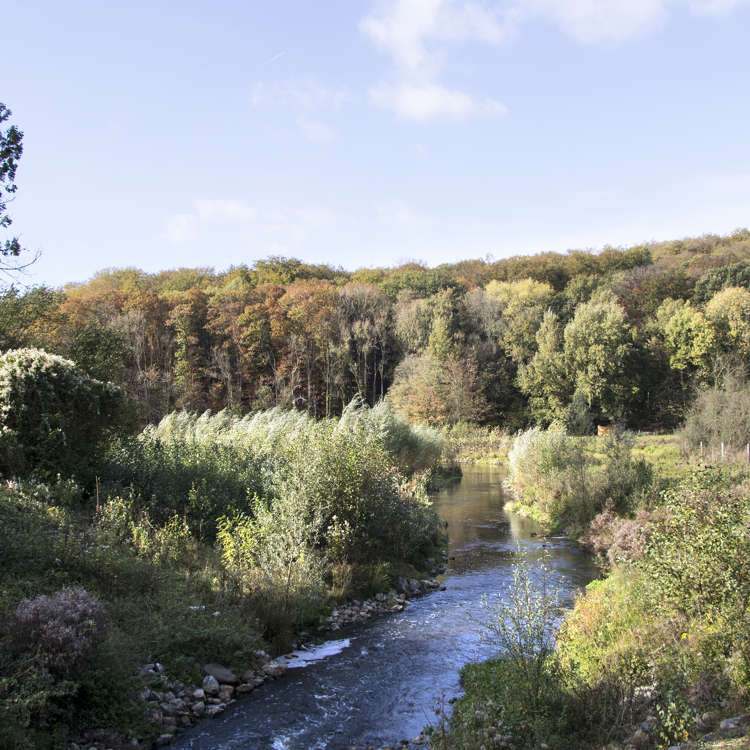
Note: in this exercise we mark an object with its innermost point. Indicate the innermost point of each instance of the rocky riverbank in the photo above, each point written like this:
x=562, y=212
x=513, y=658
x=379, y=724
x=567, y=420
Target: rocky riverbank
x=173, y=706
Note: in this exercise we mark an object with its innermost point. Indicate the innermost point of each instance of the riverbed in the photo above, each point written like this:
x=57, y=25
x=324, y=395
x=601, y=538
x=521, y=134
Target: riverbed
x=381, y=682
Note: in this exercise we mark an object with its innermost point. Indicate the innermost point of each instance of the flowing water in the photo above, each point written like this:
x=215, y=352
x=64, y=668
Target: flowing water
x=379, y=683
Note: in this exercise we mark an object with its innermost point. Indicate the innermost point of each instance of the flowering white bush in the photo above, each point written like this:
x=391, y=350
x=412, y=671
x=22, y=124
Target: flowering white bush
x=59, y=629
x=52, y=415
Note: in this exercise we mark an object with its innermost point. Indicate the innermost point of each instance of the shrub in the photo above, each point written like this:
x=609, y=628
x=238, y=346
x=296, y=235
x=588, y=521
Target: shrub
x=53, y=417
x=60, y=630
x=561, y=481
x=521, y=623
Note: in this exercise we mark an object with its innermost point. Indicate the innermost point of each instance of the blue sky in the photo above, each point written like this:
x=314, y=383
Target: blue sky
x=360, y=133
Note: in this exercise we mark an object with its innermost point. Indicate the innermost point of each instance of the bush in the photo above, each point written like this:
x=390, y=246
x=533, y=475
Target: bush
x=564, y=481
x=59, y=630
x=53, y=417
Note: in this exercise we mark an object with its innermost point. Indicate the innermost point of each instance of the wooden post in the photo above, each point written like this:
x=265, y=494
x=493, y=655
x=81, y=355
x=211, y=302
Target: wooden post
x=701, y=449
x=722, y=451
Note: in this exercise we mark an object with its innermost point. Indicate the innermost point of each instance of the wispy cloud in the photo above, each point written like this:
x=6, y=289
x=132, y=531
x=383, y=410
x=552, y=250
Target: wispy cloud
x=399, y=213
x=216, y=215
x=417, y=34
x=185, y=227
x=303, y=97
x=181, y=228
x=315, y=130
x=208, y=210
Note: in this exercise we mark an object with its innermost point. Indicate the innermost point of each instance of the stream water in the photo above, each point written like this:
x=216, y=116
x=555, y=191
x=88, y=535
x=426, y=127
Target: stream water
x=380, y=682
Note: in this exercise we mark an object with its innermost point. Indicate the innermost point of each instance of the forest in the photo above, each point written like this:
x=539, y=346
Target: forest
x=638, y=334
x=260, y=443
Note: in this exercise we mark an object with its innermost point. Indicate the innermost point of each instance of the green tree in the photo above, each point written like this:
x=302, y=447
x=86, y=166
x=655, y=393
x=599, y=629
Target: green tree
x=522, y=307
x=545, y=379
x=11, y=148
x=599, y=354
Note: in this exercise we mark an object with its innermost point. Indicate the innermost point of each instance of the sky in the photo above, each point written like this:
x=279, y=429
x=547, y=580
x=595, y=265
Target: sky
x=167, y=134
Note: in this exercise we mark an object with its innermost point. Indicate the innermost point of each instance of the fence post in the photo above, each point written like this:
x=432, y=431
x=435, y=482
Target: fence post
x=722, y=451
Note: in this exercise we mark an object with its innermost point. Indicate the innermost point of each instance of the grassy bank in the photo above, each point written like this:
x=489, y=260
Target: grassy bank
x=203, y=539
x=656, y=653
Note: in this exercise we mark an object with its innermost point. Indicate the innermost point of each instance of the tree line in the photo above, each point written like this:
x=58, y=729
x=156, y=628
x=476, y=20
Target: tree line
x=625, y=333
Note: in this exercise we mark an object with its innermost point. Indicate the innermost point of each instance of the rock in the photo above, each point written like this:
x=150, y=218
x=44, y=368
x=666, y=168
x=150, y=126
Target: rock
x=199, y=708
x=275, y=670
x=225, y=696
x=248, y=676
x=735, y=722
x=144, y=695
x=164, y=739
x=402, y=584
x=198, y=694
x=222, y=674
x=214, y=710
x=247, y=688
x=414, y=584
x=640, y=740
x=211, y=685
x=441, y=587
x=416, y=740
x=380, y=597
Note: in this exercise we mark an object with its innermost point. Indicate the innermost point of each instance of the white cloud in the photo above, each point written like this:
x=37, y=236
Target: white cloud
x=598, y=20
x=715, y=7
x=208, y=210
x=415, y=34
x=403, y=28
x=426, y=101
x=302, y=96
x=315, y=130
x=181, y=228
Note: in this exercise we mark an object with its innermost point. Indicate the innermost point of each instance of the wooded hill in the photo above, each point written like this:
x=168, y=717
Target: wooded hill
x=630, y=333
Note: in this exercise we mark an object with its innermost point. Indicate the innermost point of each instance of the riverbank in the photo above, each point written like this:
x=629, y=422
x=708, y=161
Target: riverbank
x=653, y=655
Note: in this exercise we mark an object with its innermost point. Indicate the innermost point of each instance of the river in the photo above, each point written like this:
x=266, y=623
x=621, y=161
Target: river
x=383, y=679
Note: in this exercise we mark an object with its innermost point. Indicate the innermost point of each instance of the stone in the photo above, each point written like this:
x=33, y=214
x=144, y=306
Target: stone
x=403, y=584
x=144, y=695
x=735, y=722
x=199, y=708
x=224, y=696
x=246, y=688
x=416, y=740
x=414, y=584
x=211, y=685
x=164, y=739
x=198, y=694
x=214, y=710
x=275, y=670
x=640, y=740
x=248, y=676
x=222, y=674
